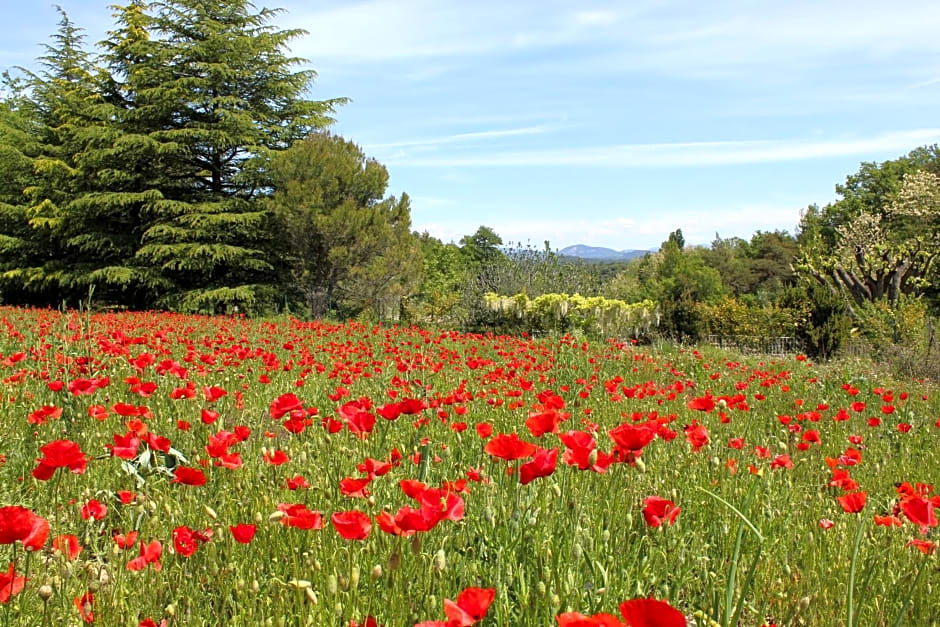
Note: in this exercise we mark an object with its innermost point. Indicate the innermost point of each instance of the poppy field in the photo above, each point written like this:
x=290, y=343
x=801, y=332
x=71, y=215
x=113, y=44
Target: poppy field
x=161, y=469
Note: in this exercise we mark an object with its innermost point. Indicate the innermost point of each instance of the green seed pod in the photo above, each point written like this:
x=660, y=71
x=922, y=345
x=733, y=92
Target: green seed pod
x=540, y=588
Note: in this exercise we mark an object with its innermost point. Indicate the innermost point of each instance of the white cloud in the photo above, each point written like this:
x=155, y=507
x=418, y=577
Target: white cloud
x=684, y=153
x=462, y=137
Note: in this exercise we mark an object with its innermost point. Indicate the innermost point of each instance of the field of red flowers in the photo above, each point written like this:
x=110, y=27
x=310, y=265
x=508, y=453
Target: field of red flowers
x=160, y=469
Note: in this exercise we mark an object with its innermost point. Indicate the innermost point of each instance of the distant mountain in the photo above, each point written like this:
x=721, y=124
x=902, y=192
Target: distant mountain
x=599, y=253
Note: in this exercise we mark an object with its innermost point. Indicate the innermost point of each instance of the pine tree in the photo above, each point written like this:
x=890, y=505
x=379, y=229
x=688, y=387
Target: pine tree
x=216, y=93
x=40, y=138
x=346, y=246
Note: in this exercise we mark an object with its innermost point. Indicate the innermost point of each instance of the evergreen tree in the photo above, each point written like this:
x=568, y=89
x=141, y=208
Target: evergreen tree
x=212, y=95
x=344, y=243
x=41, y=139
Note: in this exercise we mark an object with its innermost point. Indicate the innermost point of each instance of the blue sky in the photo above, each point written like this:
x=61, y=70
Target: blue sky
x=605, y=123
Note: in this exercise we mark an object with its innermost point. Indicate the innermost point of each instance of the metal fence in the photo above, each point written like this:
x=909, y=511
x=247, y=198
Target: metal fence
x=784, y=345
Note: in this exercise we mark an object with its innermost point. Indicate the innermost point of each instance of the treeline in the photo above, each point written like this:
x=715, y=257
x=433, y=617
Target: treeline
x=179, y=165
x=862, y=271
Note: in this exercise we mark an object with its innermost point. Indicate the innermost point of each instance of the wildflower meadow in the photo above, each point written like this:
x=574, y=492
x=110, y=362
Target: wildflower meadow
x=167, y=469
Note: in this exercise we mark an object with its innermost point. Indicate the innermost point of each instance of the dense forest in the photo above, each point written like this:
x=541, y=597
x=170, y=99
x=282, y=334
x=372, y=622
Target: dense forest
x=179, y=165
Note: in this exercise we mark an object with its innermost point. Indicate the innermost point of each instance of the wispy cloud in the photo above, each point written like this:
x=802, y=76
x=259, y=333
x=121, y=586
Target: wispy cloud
x=463, y=137
x=686, y=153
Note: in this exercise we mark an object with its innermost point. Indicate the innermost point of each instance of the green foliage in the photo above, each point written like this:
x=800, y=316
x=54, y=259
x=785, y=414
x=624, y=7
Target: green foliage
x=823, y=322
x=882, y=238
x=736, y=317
x=439, y=298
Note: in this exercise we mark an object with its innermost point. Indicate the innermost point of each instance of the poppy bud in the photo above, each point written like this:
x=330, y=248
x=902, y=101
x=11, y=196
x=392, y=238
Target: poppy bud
x=258, y=518
x=540, y=588
x=376, y=572
x=331, y=585
x=211, y=513
x=556, y=490
x=556, y=601
x=299, y=584
x=276, y=516
x=576, y=552
x=344, y=582
x=394, y=561
x=804, y=603
x=416, y=544
x=45, y=592
x=439, y=563
x=354, y=577
x=170, y=610
x=605, y=536
x=640, y=464
x=255, y=586
x=311, y=596
x=592, y=457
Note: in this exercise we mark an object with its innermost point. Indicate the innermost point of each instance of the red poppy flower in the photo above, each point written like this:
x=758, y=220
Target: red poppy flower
x=125, y=541
x=581, y=451
x=703, y=403
x=189, y=476
x=632, y=438
x=296, y=482
x=243, y=533
x=207, y=416
x=19, y=523
x=67, y=545
x=44, y=414
x=471, y=606
x=149, y=554
x=576, y=619
x=888, y=521
x=697, y=435
x=924, y=546
x=10, y=584
x=125, y=446
x=352, y=525
x=85, y=605
x=94, y=509
x=651, y=613
x=853, y=502
x=544, y=422
x=212, y=393
x=919, y=511
x=355, y=488
x=298, y=516
x=658, y=510
x=484, y=430
x=284, y=404
x=509, y=447
x=59, y=454
x=542, y=465
x=825, y=523
x=186, y=540
x=276, y=458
